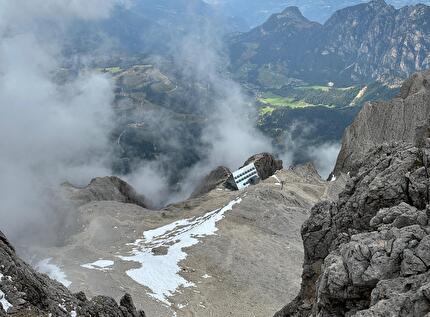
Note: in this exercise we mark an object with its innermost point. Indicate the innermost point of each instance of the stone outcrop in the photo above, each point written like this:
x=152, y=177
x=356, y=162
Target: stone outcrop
x=105, y=189
x=368, y=253
x=265, y=163
x=400, y=120
x=307, y=171
x=24, y=292
x=217, y=177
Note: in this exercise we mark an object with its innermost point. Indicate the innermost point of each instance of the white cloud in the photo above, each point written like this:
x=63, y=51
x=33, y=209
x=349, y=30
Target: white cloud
x=49, y=132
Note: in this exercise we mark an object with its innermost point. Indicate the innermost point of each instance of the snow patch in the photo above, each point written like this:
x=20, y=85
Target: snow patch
x=100, y=265
x=4, y=302
x=9, y=278
x=62, y=306
x=277, y=179
x=160, y=273
x=206, y=276
x=333, y=178
x=53, y=271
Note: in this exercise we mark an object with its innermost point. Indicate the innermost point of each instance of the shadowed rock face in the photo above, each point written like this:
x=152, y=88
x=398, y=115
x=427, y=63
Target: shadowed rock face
x=368, y=253
x=32, y=294
x=398, y=120
x=217, y=177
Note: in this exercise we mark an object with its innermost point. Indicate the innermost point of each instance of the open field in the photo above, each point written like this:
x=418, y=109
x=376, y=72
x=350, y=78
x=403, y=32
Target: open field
x=271, y=102
x=325, y=88
x=112, y=70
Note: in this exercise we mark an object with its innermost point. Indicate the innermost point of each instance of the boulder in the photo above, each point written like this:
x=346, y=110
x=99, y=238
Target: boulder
x=265, y=163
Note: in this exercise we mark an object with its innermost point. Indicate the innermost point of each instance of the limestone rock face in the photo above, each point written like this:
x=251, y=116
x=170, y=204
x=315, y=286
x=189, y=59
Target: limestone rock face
x=265, y=163
x=25, y=292
x=368, y=253
x=105, y=189
x=398, y=120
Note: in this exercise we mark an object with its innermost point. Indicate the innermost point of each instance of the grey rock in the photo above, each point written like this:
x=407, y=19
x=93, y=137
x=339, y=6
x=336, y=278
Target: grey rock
x=404, y=119
x=400, y=216
x=105, y=189
x=35, y=294
x=217, y=177
x=307, y=171
x=376, y=236
x=265, y=163
x=423, y=250
x=404, y=296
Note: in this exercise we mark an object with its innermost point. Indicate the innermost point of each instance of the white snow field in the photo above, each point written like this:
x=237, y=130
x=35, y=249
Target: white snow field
x=160, y=272
x=100, y=265
x=53, y=271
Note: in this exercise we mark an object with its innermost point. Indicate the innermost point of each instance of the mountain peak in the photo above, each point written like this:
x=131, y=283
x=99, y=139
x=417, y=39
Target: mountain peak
x=292, y=13
x=378, y=3
x=292, y=10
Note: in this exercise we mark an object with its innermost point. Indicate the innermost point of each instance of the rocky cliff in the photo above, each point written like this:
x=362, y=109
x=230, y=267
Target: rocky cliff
x=362, y=43
x=367, y=254
x=24, y=292
x=380, y=122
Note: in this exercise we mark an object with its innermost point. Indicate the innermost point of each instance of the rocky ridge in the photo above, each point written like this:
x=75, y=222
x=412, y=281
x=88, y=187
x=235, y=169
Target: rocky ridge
x=24, y=292
x=104, y=188
x=362, y=43
x=366, y=254
x=398, y=120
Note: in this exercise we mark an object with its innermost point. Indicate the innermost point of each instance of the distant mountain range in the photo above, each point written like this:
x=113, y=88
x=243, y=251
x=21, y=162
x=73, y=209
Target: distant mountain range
x=147, y=26
x=362, y=43
x=255, y=12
